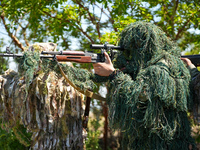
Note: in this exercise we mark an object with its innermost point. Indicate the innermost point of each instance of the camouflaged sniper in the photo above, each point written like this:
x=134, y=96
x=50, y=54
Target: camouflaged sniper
x=195, y=75
x=149, y=99
x=42, y=101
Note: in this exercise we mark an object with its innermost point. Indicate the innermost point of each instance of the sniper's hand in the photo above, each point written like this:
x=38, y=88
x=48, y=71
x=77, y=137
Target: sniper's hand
x=105, y=68
x=186, y=61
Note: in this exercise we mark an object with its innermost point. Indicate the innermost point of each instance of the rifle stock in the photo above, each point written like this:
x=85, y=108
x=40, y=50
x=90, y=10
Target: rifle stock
x=77, y=59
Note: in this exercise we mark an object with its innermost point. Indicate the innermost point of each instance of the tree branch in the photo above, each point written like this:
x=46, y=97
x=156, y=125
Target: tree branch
x=69, y=22
x=14, y=38
x=173, y=14
x=24, y=33
x=91, y=18
x=110, y=19
x=180, y=30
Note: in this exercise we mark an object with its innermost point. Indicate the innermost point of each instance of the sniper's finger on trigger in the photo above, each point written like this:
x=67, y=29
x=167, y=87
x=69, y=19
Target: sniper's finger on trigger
x=95, y=64
x=107, y=57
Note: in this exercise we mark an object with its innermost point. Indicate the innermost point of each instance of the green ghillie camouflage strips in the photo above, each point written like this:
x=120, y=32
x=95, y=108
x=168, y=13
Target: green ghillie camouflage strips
x=39, y=98
x=150, y=98
x=196, y=93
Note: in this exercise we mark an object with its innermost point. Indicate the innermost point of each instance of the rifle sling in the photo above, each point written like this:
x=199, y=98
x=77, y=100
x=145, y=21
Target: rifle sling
x=85, y=92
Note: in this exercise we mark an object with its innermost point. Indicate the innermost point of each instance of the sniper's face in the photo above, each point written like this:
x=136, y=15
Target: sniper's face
x=134, y=51
x=127, y=54
x=134, y=40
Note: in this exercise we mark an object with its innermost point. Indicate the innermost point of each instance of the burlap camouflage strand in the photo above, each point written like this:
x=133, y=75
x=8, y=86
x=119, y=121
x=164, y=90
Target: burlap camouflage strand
x=43, y=103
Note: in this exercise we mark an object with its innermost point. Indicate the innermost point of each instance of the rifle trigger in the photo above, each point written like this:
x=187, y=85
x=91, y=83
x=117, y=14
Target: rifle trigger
x=54, y=58
x=103, y=56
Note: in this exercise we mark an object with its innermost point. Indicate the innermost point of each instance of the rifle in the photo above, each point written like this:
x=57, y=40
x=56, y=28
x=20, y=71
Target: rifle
x=195, y=59
x=88, y=57
x=74, y=56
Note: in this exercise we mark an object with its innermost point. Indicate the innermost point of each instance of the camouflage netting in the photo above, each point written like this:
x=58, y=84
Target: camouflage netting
x=150, y=97
x=39, y=98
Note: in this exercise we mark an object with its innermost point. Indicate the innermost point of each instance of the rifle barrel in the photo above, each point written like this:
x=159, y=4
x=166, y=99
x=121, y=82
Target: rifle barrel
x=67, y=52
x=21, y=55
x=10, y=55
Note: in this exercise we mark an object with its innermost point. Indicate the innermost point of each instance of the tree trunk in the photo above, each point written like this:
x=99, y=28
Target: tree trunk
x=105, y=134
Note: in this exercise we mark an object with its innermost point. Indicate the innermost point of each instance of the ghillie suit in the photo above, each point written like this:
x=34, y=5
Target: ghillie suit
x=39, y=98
x=149, y=98
x=195, y=75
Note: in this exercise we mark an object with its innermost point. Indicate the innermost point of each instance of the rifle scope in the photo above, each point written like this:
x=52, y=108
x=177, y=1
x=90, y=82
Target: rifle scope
x=105, y=46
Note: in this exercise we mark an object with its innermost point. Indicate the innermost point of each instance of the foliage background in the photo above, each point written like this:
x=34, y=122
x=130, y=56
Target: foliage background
x=75, y=24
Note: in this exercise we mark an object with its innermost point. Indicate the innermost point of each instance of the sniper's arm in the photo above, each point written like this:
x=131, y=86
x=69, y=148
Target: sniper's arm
x=193, y=70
